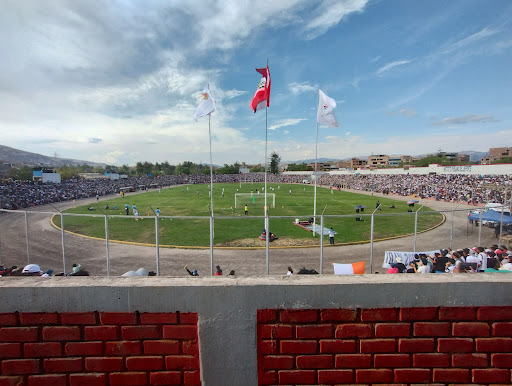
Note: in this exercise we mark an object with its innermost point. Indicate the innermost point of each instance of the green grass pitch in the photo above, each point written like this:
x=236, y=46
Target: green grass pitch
x=244, y=230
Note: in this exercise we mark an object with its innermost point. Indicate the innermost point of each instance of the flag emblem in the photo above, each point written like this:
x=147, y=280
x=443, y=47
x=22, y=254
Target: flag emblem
x=206, y=104
x=262, y=93
x=325, y=112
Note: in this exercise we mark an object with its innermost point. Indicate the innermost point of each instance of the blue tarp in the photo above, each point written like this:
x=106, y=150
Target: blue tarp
x=491, y=215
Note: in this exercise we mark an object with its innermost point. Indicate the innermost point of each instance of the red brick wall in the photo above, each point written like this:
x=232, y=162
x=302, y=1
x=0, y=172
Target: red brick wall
x=435, y=345
x=99, y=348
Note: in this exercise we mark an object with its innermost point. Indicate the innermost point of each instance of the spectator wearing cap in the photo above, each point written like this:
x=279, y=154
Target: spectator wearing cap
x=191, y=273
x=399, y=265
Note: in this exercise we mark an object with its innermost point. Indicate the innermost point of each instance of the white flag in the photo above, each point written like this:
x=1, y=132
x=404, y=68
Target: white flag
x=325, y=113
x=207, y=104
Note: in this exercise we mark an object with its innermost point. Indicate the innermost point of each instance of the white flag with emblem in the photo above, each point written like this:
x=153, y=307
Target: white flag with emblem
x=207, y=104
x=325, y=113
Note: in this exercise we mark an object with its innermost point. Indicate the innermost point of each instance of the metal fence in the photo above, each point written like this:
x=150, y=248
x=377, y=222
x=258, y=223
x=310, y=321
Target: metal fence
x=372, y=223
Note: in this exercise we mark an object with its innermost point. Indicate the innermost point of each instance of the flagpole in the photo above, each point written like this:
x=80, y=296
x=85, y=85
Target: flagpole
x=267, y=231
x=314, y=176
x=211, y=193
x=314, y=173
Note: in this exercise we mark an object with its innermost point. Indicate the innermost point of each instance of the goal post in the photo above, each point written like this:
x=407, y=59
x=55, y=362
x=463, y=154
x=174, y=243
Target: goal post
x=247, y=198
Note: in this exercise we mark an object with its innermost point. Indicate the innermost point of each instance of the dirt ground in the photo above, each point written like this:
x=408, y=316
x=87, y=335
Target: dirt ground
x=46, y=248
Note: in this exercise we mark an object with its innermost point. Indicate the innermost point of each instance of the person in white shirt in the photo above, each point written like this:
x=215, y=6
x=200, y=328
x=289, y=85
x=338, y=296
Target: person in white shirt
x=422, y=266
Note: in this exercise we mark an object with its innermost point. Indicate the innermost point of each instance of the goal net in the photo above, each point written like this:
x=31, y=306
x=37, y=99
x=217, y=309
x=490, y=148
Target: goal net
x=251, y=198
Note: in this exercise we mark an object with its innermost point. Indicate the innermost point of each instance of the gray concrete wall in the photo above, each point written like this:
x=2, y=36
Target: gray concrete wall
x=227, y=306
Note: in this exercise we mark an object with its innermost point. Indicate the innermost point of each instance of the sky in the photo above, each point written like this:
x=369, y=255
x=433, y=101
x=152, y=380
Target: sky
x=118, y=81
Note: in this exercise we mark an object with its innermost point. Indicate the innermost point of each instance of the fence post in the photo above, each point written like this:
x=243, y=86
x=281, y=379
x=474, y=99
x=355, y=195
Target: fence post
x=211, y=245
x=267, y=241
x=416, y=226
x=415, y=229
x=371, y=244
x=26, y=234
x=480, y=228
x=321, y=244
x=157, y=242
x=451, y=231
x=371, y=238
x=107, y=251
x=63, y=243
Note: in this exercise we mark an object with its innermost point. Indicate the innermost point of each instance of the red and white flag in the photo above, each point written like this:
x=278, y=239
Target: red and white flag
x=262, y=93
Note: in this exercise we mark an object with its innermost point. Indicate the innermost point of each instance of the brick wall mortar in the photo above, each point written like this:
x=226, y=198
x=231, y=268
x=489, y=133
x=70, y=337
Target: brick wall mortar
x=108, y=348
x=428, y=345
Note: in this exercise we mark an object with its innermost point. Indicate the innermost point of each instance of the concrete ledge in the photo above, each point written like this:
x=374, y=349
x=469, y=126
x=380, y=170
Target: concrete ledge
x=227, y=307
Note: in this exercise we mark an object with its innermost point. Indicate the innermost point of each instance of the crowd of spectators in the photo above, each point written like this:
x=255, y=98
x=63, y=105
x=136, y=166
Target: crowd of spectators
x=496, y=259
x=23, y=194
x=471, y=189
x=453, y=187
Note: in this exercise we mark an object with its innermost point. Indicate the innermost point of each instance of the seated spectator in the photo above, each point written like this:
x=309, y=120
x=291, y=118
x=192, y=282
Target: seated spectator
x=31, y=270
x=399, y=265
x=493, y=266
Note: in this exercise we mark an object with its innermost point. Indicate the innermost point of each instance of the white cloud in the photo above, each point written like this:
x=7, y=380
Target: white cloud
x=329, y=13
x=299, y=88
x=286, y=122
x=406, y=112
x=230, y=94
x=391, y=65
x=470, y=118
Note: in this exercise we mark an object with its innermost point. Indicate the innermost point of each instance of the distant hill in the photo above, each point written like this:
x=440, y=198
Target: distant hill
x=15, y=156
x=475, y=155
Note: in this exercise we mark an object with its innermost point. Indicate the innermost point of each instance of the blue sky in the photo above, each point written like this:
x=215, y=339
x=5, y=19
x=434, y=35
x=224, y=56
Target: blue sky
x=119, y=81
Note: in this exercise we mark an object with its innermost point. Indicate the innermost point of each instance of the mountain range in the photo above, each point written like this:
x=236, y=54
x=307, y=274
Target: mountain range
x=14, y=156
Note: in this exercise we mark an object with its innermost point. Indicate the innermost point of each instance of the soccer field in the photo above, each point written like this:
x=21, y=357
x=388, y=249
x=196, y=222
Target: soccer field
x=240, y=230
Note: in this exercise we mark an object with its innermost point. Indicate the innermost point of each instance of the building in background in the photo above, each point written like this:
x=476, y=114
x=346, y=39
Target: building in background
x=495, y=154
x=356, y=163
x=378, y=160
x=46, y=175
x=463, y=158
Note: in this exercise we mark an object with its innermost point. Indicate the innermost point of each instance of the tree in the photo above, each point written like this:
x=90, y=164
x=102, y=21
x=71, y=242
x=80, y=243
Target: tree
x=98, y=169
x=299, y=167
x=506, y=160
x=229, y=169
x=124, y=169
x=257, y=169
x=274, y=163
x=24, y=173
x=67, y=172
x=434, y=159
